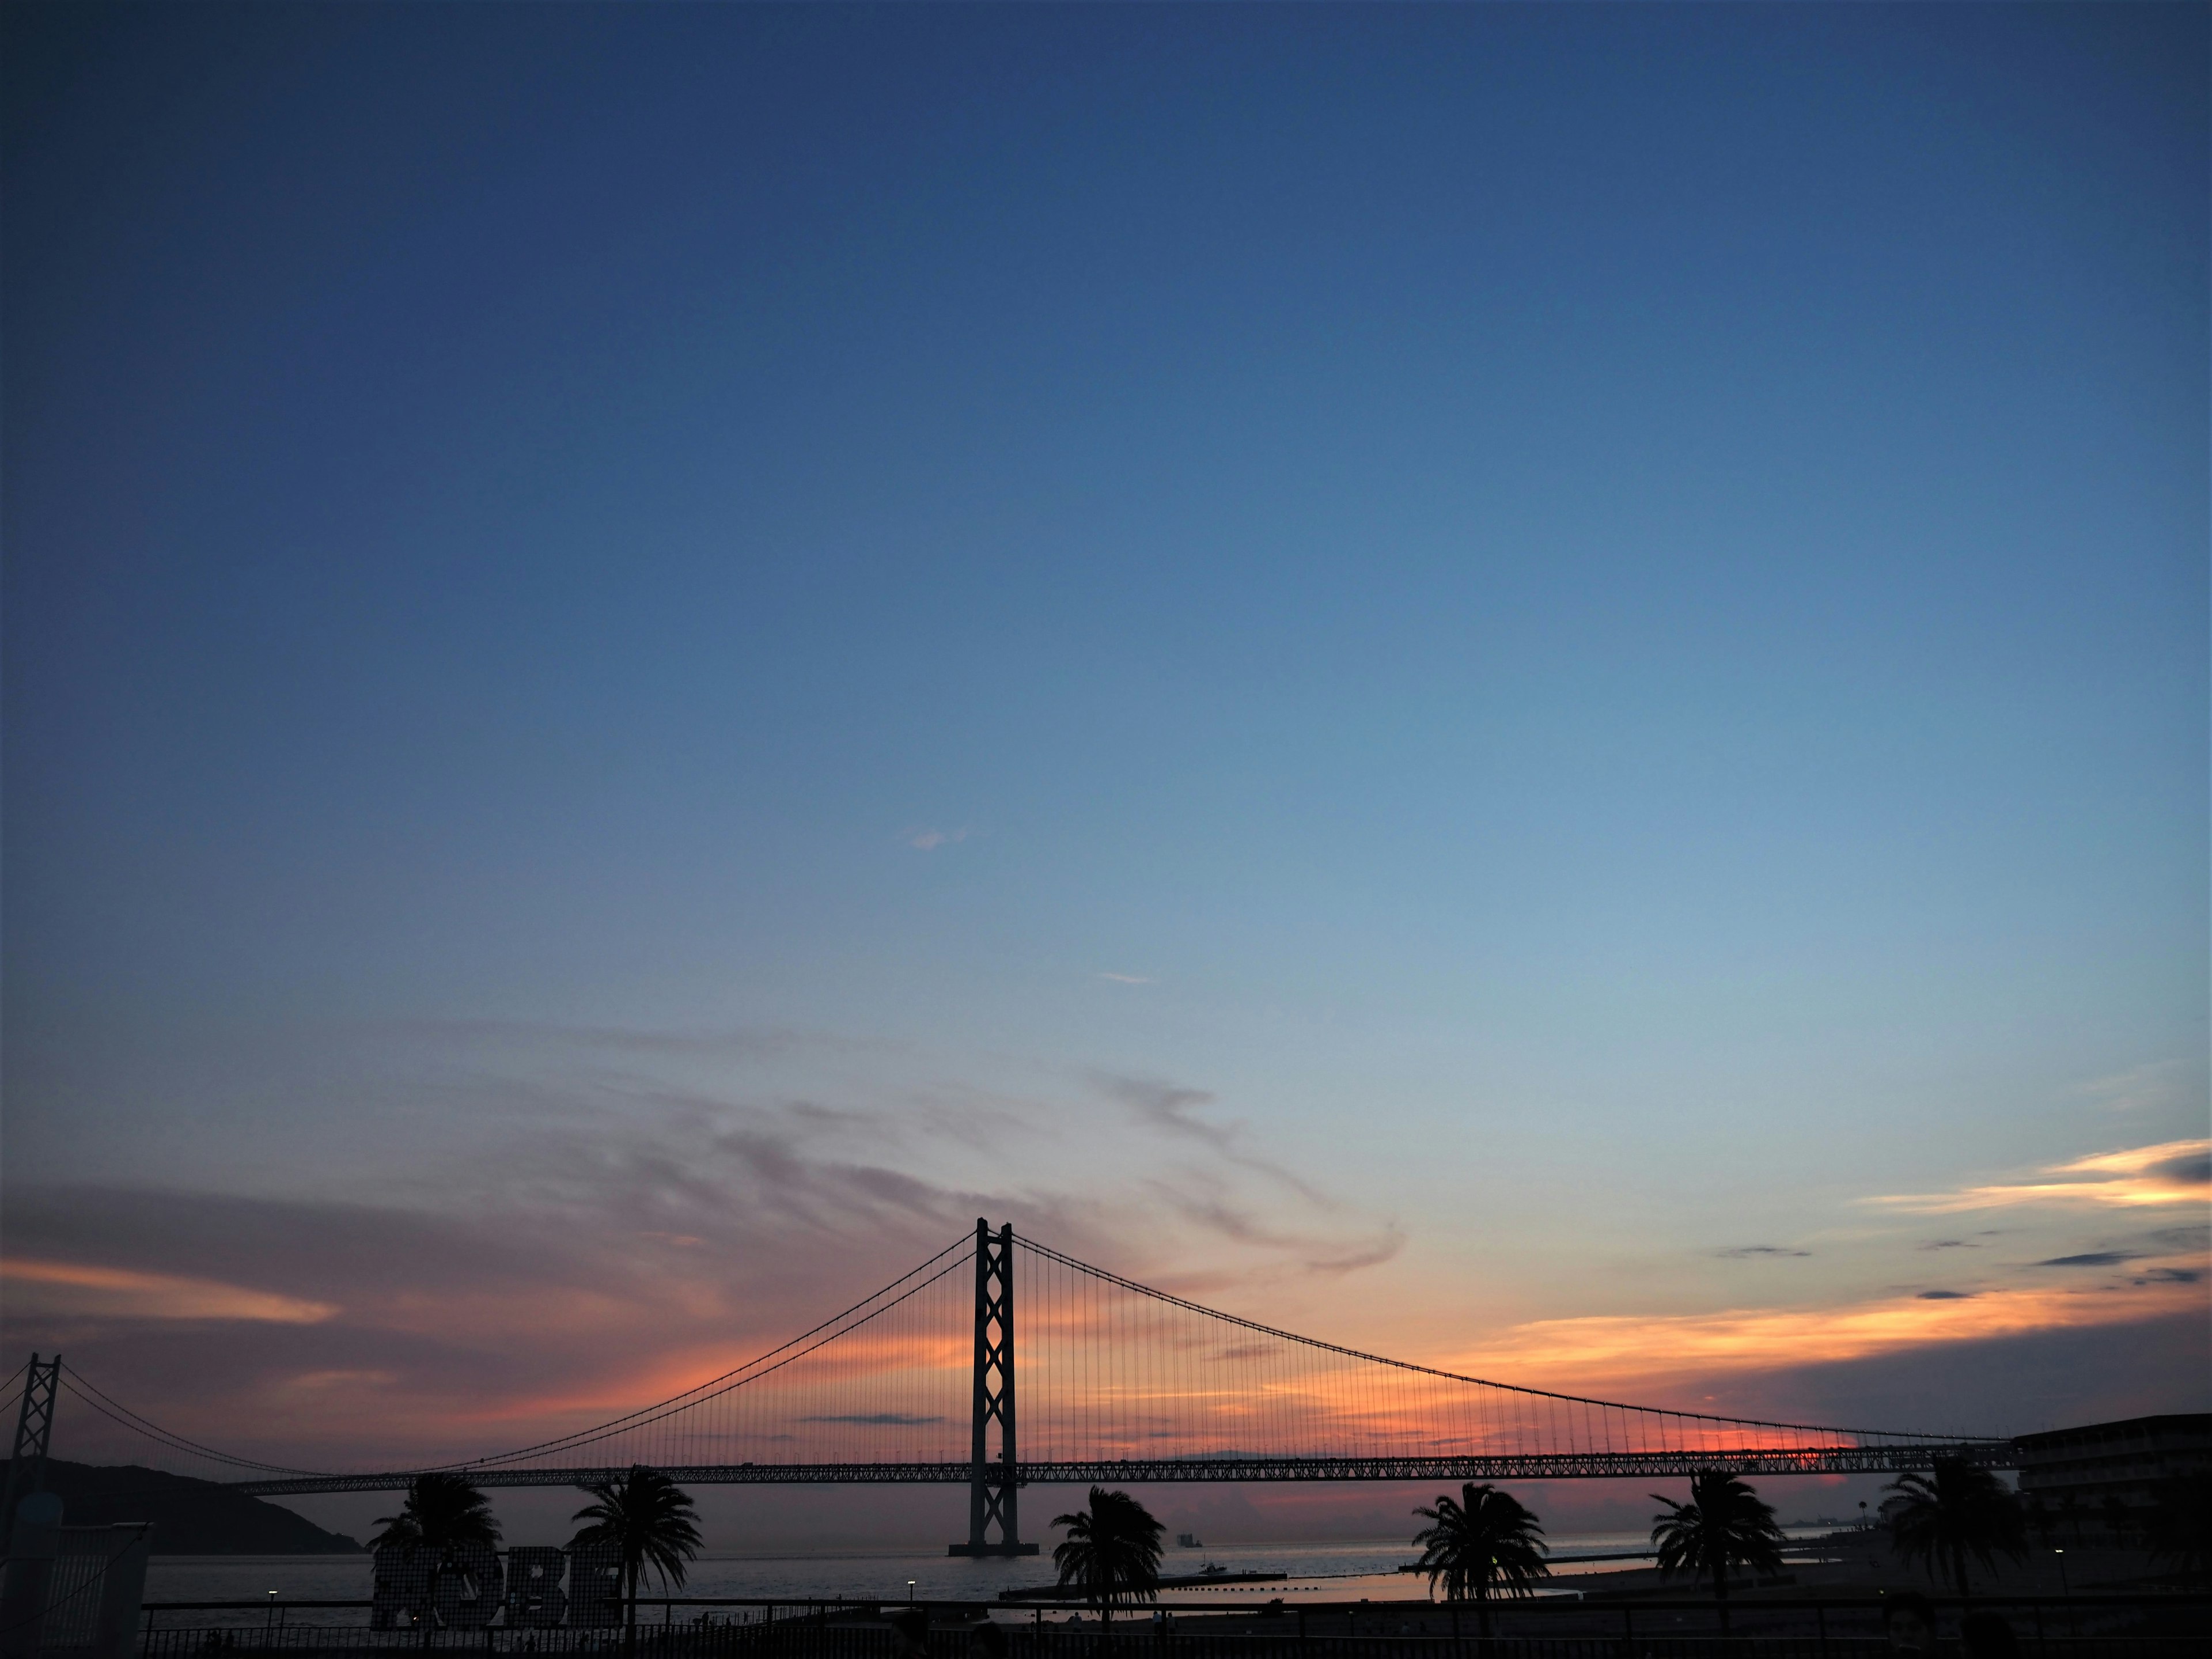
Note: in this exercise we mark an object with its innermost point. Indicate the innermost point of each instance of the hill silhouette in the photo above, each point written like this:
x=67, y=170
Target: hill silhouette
x=190, y=1518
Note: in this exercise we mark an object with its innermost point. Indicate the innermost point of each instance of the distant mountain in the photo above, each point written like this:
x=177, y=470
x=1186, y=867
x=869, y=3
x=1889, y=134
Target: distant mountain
x=190, y=1518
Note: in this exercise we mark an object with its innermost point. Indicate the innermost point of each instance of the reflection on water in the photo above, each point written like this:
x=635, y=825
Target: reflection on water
x=1341, y=1571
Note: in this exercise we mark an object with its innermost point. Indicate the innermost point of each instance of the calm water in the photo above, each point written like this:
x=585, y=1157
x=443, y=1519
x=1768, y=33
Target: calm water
x=1319, y=1572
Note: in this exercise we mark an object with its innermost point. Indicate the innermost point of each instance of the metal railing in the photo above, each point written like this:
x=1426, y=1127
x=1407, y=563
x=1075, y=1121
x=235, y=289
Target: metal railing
x=2075, y=1627
x=799, y=1640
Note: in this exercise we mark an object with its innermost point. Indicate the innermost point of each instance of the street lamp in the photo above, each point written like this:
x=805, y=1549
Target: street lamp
x=910, y=1592
x=2064, y=1588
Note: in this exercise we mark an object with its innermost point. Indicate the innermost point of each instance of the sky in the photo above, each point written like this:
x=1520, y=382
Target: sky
x=1523, y=687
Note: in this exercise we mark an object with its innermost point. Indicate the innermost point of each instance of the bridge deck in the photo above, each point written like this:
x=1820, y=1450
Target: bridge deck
x=1560, y=1466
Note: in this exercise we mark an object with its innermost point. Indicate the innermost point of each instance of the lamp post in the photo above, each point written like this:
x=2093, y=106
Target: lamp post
x=2063, y=1589
x=910, y=1592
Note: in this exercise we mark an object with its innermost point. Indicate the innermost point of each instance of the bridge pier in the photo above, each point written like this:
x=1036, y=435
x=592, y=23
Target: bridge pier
x=34, y=1429
x=994, y=1484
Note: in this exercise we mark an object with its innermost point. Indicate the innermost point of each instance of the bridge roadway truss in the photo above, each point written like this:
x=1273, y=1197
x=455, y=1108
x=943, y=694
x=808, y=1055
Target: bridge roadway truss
x=1828, y=1460
x=1129, y=1350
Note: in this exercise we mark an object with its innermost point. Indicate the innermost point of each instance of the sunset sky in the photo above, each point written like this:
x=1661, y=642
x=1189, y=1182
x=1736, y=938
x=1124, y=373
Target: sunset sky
x=1524, y=688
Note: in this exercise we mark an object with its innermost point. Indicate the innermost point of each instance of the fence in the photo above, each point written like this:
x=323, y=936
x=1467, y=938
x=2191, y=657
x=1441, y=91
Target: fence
x=73, y=1589
x=2082, y=1627
x=856, y=1642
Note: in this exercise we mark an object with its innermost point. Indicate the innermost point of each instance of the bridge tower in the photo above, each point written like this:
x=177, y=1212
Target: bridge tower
x=992, y=1481
x=34, y=1429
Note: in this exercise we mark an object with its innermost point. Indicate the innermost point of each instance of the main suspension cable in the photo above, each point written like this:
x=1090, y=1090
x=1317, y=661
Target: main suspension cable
x=118, y=1413
x=715, y=1387
x=1111, y=1278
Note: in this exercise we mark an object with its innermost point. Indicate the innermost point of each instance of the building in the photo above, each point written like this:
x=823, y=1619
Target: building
x=2072, y=1476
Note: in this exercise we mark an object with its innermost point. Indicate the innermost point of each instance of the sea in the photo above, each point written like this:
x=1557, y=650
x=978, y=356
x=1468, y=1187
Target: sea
x=1344, y=1570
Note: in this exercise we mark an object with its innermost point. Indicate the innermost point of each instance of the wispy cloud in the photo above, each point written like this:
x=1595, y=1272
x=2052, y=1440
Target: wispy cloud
x=2170, y=1172
x=925, y=839
x=1741, y=1252
x=877, y=1419
x=83, y=1290
x=1595, y=1351
x=637, y=1235
x=1128, y=978
x=1172, y=1108
x=2143, y=1088
x=1316, y=1253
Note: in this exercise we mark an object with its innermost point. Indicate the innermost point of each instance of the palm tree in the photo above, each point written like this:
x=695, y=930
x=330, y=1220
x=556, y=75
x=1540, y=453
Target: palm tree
x=1954, y=1512
x=442, y=1511
x=2179, y=1526
x=1484, y=1543
x=1112, y=1551
x=1723, y=1525
x=648, y=1519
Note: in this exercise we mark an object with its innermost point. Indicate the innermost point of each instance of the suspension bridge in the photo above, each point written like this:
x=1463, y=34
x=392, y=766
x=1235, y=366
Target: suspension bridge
x=1116, y=1382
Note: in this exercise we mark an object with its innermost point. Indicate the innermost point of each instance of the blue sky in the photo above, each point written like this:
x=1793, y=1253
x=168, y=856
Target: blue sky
x=1519, y=646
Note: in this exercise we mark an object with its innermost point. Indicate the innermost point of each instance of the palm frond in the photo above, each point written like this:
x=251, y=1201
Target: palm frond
x=440, y=1510
x=1486, y=1544
x=1954, y=1511
x=648, y=1519
x=1112, y=1550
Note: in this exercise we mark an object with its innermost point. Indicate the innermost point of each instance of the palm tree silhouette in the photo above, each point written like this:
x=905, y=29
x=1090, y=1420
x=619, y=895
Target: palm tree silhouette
x=1954, y=1511
x=1112, y=1551
x=1487, y=1542
x=1723, y=1525
x=441, y=1511
x=648, y=1518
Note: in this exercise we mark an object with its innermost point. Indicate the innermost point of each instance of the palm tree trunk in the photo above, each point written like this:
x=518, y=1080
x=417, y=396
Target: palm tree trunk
x=1720, y=1590
x=430, y=1609
x=629, y=1632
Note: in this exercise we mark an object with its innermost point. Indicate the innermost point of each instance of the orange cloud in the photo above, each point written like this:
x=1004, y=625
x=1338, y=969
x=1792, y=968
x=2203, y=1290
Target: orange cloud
x=320, y=1380
x=1580, y=1351
x=2172, y=1172
x=73, y=1289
